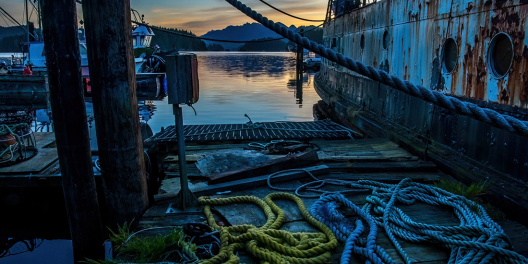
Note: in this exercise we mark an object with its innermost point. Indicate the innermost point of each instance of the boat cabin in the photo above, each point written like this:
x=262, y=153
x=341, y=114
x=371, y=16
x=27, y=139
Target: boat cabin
x=141, y=37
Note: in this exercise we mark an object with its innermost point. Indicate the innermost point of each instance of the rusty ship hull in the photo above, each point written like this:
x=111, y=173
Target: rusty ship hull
x=474, y=50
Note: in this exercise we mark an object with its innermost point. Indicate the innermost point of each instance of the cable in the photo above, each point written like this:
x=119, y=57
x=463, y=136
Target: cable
x=4, y=18
x=218, y=40
x=290, y=15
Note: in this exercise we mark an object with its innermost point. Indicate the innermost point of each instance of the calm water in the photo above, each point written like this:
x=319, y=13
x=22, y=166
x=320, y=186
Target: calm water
x=261, y=85
x=232, y=84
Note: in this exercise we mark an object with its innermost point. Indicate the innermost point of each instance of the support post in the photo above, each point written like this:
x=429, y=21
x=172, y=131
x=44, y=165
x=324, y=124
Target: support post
x=111, y=63
x=185, y=198
x=71, y=129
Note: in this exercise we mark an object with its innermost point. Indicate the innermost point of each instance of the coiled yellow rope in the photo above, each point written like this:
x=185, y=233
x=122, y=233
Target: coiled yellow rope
x=267, y=243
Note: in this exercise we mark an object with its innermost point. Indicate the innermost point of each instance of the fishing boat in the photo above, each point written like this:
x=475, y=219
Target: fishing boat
x=476, y=51
x=149, y=63
x=35, y=56
x=293, y=48
x=312, y=63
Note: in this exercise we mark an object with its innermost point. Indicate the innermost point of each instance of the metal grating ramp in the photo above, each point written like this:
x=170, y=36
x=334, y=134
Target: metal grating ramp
x=325, y=129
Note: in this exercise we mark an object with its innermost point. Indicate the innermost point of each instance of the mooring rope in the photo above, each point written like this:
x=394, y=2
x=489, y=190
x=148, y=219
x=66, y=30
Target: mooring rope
x=268, y=243
x=478, y=239
x=486, y=115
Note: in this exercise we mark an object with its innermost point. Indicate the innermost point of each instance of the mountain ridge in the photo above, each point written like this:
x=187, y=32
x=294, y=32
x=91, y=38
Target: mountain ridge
x=247, y=31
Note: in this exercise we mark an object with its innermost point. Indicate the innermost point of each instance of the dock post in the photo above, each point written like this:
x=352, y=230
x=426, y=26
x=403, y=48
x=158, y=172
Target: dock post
x=71, y=129
x=299, y=58
x=112, y=74
x=299, y=71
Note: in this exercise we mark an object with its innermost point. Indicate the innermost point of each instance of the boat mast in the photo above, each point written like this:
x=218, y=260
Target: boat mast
x=39, y=17
x=27, y=27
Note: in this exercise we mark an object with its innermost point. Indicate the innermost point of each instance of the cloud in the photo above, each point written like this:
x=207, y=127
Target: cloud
x=201, y=16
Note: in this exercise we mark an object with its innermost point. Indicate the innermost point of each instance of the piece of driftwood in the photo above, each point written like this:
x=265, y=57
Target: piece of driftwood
x=288, y=162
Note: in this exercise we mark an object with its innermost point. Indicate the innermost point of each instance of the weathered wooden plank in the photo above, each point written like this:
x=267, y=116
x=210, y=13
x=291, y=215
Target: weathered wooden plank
x=384, y=166
x=44, y=157
x=387, y=177
x=44, y=138
x=193, y=156
x=275, y=165
x=393, y=155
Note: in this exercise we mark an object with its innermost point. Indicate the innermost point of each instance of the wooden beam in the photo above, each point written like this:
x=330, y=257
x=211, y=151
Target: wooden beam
x=71, y=130
x=383, y=166
x=288, y=162
x=109, y=42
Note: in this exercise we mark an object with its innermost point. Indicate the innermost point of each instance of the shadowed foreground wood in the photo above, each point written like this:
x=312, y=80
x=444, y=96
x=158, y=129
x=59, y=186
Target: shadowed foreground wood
x=71, y=130
x=386, y=167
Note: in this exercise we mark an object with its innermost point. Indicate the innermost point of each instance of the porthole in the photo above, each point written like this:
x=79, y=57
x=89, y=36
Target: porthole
x=500, y=55
x=362, y=43
x=449, y=55
x=386, y=40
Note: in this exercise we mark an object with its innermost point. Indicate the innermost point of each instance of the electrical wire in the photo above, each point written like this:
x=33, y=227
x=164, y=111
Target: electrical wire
x=217, y=40
x=4, y=18
x=290, y=15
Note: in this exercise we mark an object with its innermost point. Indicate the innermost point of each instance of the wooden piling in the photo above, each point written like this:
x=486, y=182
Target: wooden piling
x=71, y=130
x=112, y=74
x=299, y=71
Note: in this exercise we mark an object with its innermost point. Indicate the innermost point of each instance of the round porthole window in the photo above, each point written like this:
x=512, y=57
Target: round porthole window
x=362, y=43
x=386, y=40
x=500, y=55
x=449, y=55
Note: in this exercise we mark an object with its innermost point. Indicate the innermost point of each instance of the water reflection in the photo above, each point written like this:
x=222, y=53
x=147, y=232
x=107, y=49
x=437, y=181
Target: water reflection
x=263, y=85
x=236, y=83
x=37, y=251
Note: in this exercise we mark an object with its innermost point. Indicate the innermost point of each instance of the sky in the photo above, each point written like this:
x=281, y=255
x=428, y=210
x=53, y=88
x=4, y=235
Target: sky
x=201, y=16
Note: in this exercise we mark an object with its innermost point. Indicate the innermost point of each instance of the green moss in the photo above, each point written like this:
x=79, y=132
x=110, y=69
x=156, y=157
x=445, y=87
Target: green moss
x=471, y=192
x=474, y=193
x=121, y=236
x=153, y=249
x=147, y=249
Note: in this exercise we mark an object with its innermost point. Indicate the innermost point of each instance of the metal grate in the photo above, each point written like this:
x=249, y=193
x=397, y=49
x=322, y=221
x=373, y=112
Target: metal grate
x=325, y=129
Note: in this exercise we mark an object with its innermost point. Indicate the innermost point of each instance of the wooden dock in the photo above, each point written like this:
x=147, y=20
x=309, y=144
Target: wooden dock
x=372, y=159
x=43, y=170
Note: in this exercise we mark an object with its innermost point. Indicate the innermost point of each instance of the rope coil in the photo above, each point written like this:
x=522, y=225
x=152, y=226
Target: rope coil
x=486, y=115
x=478, y=239
x=268, y=243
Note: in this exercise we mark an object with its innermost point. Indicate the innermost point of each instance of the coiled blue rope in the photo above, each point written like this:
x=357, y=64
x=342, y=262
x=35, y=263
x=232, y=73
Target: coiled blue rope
x=477, y=239
x=326, y=211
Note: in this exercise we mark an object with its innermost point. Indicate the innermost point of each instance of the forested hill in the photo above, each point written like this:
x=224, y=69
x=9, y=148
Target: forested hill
x=255, y=31
x=247, y=31
x=275, y=45
x=11, y=38
x=168, y=41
